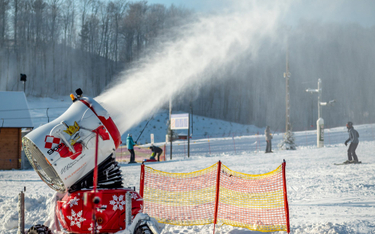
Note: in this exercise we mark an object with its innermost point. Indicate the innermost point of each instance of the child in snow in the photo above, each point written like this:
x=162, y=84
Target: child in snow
x=353, y=139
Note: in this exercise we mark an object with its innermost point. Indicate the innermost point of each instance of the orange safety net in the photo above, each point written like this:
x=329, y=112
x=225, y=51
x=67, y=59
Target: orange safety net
x=217, y=195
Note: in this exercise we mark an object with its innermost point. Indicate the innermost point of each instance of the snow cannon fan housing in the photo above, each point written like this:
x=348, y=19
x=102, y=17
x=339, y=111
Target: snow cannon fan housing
x=62, y=152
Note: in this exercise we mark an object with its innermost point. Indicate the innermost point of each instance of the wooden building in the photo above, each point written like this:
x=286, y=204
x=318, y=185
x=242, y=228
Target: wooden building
x=14, y=116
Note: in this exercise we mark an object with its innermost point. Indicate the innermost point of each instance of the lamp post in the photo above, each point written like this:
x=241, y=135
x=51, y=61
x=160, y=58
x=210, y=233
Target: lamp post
x=23, y=78
x=320, y=121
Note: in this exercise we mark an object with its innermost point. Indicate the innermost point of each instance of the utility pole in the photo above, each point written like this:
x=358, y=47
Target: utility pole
x=288, y=140
x=287, y=98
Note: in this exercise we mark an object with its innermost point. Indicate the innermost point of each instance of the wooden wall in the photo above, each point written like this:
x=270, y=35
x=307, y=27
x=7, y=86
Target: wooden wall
x=10, y=148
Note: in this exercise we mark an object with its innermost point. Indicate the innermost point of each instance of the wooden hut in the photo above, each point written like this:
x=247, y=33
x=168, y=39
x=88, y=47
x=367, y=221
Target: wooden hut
x=14, y=116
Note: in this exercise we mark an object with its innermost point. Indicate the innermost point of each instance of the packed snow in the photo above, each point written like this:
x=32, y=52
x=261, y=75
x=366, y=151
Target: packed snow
x=323, y=197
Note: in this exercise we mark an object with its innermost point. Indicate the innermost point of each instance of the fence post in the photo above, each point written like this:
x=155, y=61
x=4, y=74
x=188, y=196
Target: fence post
x=184, y=150
x=165, y=148
x=209, y=147
x=128, y=209
x=217, y=193
x=21, y=213
x=142, y=182
x=286, y=206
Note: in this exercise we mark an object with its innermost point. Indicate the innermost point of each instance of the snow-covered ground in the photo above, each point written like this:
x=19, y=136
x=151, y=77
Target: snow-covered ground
x=323, y=197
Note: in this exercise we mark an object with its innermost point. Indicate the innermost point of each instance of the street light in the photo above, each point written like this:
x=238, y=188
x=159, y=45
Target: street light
x=23, y=79
x=320, y=121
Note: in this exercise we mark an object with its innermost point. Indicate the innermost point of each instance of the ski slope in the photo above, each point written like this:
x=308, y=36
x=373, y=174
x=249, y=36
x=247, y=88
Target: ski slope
x=323, y=198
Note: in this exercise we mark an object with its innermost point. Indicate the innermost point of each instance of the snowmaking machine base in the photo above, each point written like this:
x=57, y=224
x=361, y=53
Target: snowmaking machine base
x=75, y=210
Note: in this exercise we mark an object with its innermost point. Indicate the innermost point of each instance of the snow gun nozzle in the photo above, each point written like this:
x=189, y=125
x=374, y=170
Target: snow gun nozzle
x=68, y=142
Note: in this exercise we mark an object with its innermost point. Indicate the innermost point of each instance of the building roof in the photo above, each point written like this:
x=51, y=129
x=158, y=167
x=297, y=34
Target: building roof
x=14, y=110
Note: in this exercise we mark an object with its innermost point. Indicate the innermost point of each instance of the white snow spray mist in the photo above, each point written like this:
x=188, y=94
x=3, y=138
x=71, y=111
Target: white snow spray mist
x=203, y=47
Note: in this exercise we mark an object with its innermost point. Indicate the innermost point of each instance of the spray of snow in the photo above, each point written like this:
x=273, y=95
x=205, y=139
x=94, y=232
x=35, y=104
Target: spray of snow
x=203, y=47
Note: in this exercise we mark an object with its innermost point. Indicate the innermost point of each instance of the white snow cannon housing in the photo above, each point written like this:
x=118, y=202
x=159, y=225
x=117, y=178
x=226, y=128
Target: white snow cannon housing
x=62, y=152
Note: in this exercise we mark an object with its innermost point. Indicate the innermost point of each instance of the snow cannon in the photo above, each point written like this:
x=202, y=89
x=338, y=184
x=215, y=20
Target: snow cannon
x=62, y=152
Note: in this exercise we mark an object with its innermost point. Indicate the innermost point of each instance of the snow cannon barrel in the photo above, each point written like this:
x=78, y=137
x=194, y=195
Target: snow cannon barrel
x=62, y=152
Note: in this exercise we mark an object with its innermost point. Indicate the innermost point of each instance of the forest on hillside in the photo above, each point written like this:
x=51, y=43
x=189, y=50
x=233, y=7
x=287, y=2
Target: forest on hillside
x=64, y=44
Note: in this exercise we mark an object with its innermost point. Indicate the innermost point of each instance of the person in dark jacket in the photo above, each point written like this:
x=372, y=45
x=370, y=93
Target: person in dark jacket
x=155, y=151
x=268, y=135
x=353, y=139
x=130, y=144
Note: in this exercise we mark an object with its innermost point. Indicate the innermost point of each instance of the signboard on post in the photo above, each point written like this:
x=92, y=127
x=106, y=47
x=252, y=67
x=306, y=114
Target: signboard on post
x=180, y=121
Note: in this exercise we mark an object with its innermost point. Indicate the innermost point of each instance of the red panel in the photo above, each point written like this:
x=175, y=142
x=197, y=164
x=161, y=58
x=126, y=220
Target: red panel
x=75, y=215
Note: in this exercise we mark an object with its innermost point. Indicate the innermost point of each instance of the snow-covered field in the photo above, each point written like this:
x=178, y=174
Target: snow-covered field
x=323, y=197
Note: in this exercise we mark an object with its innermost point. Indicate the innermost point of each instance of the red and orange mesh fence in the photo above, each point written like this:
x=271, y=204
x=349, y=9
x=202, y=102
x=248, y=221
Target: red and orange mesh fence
x=217, y=195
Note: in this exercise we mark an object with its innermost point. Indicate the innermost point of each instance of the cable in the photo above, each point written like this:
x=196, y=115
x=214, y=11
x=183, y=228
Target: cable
x=144, y=128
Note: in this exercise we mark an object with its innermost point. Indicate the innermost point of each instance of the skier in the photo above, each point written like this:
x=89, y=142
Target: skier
x=130, y=143
x=155, y=150
x=353, y=139
x=268, y=135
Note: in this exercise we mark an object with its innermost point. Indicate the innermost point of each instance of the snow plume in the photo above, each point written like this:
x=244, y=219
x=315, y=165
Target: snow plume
x=199, y=50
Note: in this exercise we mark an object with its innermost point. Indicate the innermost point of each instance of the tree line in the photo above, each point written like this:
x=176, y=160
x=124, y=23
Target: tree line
x=64, y=44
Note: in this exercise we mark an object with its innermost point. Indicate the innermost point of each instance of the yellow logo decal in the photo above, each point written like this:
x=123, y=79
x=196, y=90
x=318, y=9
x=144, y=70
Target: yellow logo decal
x=72, y=129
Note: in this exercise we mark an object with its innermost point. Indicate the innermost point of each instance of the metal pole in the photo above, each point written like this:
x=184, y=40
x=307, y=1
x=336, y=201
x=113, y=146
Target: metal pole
x=170, y=130
x=95, y=181
x=319, y=97
x=192, y=117
x=287, y=75
x=188, y=136
x=21, y=211
x=128, y=209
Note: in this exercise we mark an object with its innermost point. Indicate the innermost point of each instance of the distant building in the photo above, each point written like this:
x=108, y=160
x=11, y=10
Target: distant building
x=14, y=116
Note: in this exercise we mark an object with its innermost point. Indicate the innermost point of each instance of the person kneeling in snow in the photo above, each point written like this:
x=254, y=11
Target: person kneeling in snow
x=353, y=139
x=155, y=150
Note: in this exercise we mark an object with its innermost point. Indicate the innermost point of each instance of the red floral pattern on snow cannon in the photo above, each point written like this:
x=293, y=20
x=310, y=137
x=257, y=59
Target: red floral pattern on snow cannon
x=75, y=216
